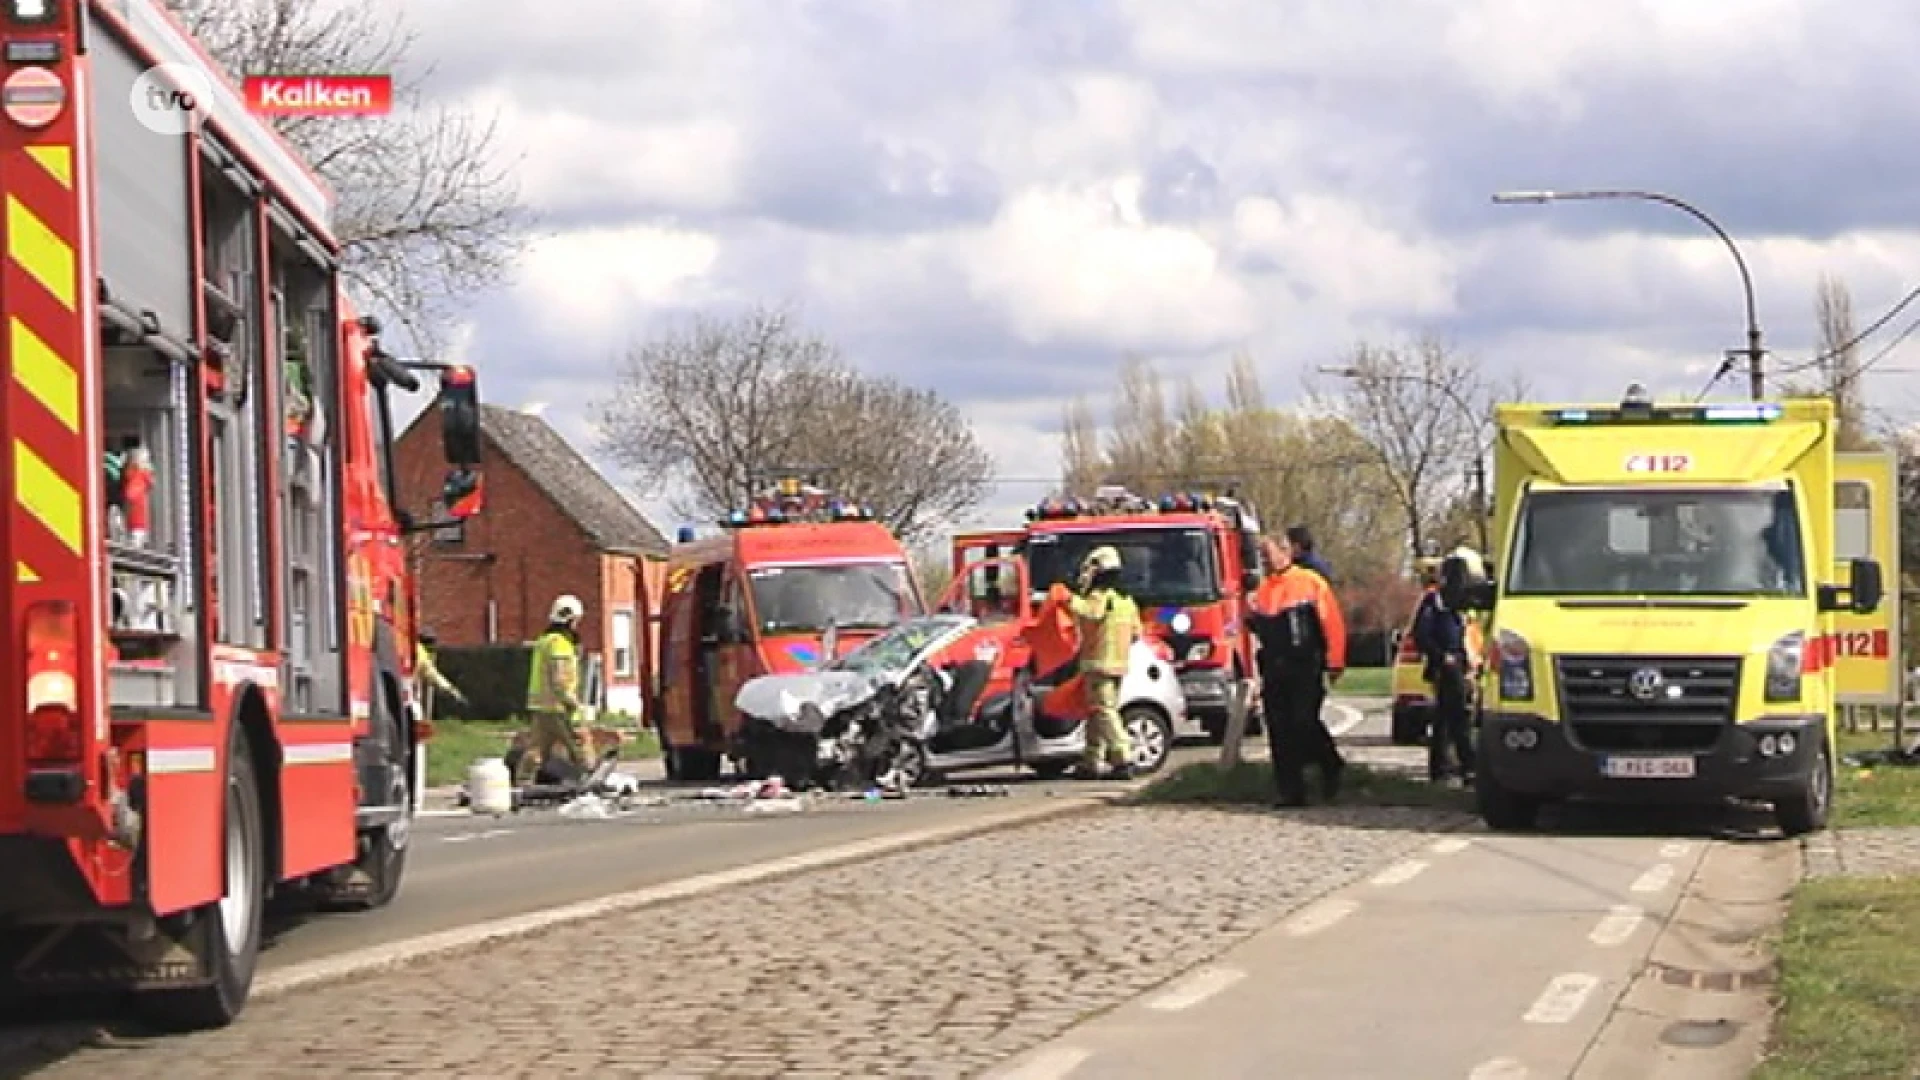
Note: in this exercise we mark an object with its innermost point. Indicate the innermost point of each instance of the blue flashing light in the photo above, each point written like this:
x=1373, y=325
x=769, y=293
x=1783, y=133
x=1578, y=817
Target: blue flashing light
x=1757, y=413
x=685, y=535
x=736, y=519
x=1572, y=416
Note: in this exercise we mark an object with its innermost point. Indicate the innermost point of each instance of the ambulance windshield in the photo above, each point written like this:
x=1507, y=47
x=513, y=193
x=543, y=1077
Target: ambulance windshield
x=852, y=596
x=1638, y=541
x=1157, y=566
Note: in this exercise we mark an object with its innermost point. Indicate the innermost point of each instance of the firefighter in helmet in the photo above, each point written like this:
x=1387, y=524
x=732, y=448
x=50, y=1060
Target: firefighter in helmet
x=553, y=692
x=1108, y=622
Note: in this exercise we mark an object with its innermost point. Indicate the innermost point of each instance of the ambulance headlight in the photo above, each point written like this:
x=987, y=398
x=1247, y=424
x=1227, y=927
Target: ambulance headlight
x=1785, y=662
x=1516, y=666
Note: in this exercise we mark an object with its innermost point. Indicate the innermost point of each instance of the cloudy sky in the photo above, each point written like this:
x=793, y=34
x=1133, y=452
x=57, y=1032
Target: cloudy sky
x=999, y=199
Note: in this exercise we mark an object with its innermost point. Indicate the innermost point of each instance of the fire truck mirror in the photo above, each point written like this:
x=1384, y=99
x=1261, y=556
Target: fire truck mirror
x=461, y=493
x=1250, y=581
x=460, y=418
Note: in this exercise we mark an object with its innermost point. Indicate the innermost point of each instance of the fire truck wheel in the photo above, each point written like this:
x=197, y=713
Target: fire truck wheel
x=226, y=933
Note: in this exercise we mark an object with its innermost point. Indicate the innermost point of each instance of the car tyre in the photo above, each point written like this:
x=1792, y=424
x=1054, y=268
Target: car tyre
x=1809, y=811
x=1502, y=808
x=1150, y=734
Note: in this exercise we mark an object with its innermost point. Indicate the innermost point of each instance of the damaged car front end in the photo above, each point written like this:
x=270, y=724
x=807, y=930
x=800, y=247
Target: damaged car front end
x=859, y=722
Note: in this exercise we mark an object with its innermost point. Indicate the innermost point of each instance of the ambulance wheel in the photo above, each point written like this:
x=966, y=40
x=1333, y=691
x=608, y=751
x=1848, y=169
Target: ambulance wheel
x=226, y=933
x=1808, y=811
x=1503, y=809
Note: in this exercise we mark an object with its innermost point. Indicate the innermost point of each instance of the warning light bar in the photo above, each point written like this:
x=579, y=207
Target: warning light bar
x=1760, y=413
x=1108, y=503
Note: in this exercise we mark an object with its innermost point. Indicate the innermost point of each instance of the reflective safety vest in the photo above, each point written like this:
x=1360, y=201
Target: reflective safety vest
x=1109, y=621
x=552, y=683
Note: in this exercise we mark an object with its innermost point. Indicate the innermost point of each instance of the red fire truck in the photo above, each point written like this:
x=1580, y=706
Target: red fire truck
x=1190, y=560
x=209, y=630
x=760, y=598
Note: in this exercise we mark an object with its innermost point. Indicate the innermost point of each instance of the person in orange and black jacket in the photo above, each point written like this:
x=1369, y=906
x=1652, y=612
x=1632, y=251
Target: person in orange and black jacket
x=1303, y=649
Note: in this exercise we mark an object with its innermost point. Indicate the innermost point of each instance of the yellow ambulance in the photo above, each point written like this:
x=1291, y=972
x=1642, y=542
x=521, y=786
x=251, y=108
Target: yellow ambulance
x=1686, y=595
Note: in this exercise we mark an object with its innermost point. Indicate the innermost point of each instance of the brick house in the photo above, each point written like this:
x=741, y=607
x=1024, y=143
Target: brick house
x=552, y=524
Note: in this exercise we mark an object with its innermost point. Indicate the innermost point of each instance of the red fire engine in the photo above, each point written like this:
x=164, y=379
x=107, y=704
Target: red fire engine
x=208, y=625
x=760, y=598
x=1191, y=561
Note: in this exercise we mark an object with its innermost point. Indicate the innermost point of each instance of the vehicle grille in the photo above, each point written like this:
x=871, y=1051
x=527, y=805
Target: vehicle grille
x=1692, y=704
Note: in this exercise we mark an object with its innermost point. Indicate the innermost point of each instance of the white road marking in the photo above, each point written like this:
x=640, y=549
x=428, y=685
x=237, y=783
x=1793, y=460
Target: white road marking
x=1401, y=872
x=1450, y=845
x=1319, y=916
x=1048, y=1065
x=1657, y=877
x=1196, y=988
x=1676, y=850
x=1350, y=718
x=1562, y=999
x=1501, y=1068
x=462, y=812
x=1617, y=926
x=486, y=835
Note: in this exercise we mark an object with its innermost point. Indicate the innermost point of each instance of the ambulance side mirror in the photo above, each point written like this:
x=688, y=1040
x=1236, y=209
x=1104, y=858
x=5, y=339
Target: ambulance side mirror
x=1863, y=592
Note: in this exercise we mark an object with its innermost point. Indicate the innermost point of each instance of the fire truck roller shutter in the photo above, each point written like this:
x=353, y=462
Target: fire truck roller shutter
x=143, y=202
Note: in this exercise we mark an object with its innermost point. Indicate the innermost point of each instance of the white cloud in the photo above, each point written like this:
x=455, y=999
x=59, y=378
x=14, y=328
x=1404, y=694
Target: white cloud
x=999, y=200
x=588, y=284
x=1065, y=266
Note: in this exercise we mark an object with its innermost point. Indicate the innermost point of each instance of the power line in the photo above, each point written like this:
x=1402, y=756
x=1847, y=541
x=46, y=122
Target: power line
x=1245, y=472
x=1886, y=350
x=1841, y=349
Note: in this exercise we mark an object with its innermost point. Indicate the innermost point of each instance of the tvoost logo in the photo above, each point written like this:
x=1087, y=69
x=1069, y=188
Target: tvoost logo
x=165, y=96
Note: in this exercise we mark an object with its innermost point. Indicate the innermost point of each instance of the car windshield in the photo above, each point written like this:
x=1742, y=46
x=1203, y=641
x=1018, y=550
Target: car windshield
x=1633, y=542
x=895, y=649
x=1157, y=566
x=852, y=596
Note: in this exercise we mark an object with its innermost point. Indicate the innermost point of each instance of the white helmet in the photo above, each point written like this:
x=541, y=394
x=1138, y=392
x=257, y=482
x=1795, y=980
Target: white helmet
x=1470, y=561
x=567, y=609
x=1101, y=559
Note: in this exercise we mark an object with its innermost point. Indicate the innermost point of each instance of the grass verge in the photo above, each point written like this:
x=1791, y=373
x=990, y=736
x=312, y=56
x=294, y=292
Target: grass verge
x=456, y=744
x=1850, y=983
x=1250, y=783
x=1875, y=794
x=1366, y=682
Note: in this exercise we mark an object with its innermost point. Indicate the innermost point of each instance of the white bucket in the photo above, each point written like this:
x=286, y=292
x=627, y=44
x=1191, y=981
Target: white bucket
x=490, y=787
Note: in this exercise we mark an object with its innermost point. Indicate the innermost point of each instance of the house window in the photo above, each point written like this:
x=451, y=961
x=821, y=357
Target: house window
x=623, y=644
x=451, y=535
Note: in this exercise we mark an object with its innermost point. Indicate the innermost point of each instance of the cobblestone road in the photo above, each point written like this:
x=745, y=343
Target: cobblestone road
x=930, y=963
x=1862, y=852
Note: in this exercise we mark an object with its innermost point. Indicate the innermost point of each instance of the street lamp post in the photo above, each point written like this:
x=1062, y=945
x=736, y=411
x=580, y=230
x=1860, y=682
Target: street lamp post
x=1481, y=506
x=1754, y=351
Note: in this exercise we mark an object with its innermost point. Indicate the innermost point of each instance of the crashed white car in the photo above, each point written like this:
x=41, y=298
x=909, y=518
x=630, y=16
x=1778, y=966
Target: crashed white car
x=937, y=694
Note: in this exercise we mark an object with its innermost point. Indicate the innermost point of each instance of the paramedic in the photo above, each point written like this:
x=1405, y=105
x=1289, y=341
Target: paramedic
x=428, y=672
x=1108, y=623
x=1303, y=647
x=553, y=692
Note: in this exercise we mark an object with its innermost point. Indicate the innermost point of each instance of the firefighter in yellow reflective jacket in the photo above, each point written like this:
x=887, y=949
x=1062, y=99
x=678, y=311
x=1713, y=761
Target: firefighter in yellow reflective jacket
x=553, y=692
x=1109, y=621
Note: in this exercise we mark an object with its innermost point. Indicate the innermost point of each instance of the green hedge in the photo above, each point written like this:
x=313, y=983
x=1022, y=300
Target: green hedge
x=494, y=678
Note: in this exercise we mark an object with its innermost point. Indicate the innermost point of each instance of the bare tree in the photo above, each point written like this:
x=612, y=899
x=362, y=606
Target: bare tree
x=429, y=212
x=727, y=404
x=1081, y=462
x=1840, y=362
x=1424, y=410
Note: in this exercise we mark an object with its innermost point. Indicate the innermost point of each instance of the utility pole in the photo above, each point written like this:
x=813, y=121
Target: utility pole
x=1755, y=351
